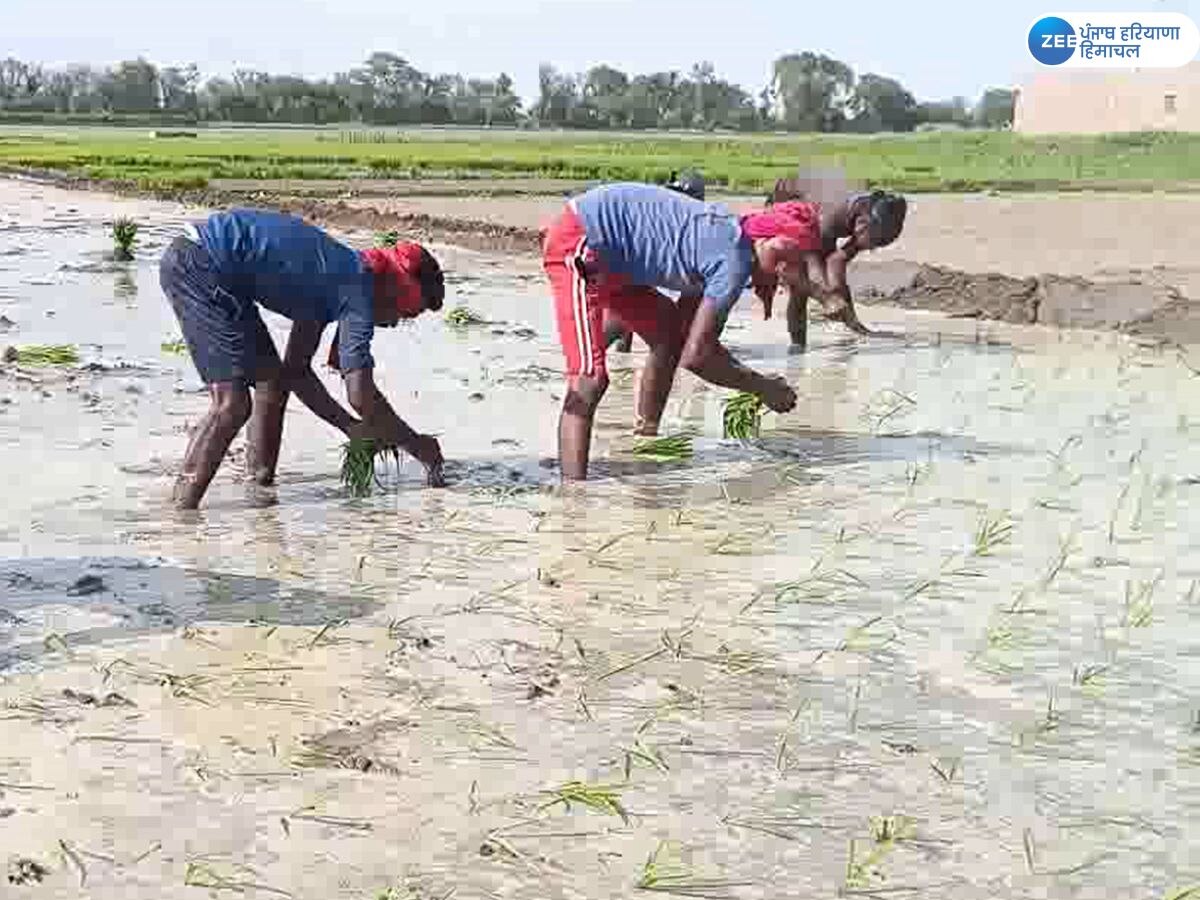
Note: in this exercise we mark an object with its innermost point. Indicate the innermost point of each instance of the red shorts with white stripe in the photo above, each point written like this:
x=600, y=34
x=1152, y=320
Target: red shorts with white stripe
x=585, y=294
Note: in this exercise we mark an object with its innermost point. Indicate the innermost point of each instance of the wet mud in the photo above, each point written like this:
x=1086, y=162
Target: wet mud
x=928, y=635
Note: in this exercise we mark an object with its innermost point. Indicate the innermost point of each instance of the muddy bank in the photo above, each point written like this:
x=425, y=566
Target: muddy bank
x=1144, y=307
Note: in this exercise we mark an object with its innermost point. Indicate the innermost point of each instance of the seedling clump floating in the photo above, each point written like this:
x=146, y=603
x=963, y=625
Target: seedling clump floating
x=124, y=234
x=665, y=449
x=42, y=355
x=463, y=317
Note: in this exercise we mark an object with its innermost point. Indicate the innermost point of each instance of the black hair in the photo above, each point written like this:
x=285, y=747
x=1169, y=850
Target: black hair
x=690, y=183
x=785, y=190
x=885, y=216
x=433, y=282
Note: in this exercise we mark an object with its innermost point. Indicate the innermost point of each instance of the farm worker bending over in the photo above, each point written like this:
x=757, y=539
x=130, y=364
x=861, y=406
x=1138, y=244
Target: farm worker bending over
x=217, y=273
x=608, y=252
x=690, y=183
x=842, y=230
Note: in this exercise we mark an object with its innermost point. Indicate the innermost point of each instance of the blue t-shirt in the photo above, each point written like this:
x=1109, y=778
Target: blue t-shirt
x=298, y=271
x=660, y=238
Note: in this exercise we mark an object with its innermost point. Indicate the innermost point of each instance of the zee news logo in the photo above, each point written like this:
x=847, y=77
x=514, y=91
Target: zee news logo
x=1114, y=40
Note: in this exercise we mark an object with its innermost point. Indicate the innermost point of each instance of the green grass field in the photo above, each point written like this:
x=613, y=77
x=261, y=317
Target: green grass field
x=921, y=162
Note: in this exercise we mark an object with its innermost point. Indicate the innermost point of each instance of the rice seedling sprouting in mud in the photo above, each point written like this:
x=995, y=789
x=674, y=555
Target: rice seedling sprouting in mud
x=886, y=833
x=743, y=416
x=124, y=232
x=42, y=355
x=601, y=798
x=990, y=533
x=666, y=872
x=175, y=346
x=387, y=238
x=358, y=464
x=463, y=317
x=665, y=449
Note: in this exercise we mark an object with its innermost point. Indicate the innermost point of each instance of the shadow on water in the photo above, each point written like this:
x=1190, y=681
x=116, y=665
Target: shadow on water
x=124, y=286
x=116, y=597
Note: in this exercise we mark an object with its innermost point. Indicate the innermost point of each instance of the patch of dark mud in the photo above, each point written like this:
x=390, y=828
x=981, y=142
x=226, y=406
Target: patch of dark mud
x=986, y=296
x=818, y=448
x=149, y=596
x=1138, y=304
x=7, y=324
x=469, y=233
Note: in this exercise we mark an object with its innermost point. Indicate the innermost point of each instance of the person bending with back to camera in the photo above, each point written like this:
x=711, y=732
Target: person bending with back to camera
x=217, y=274
x=842, y=230
x=608, y=253
x=691, y=184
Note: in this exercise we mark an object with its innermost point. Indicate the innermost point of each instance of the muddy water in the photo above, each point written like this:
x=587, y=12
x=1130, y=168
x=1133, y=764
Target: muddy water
x=762, y=648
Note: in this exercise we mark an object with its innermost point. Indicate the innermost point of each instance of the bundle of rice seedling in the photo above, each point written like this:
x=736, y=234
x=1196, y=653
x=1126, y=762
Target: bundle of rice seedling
x=358, y=464
x=665, y=449
x=124, y=234
x=743, y=416
x=42, y=355
x=387, y=238
x=462, y=317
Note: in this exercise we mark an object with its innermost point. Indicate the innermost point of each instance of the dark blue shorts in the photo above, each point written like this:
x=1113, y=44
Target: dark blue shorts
x=225, y=335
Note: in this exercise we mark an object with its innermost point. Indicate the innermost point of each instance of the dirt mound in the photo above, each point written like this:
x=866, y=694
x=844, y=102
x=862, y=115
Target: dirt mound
x=474, y=235
x=986, y=296
x=1141, y=306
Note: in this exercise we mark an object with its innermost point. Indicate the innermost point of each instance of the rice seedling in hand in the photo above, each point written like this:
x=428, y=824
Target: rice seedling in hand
x=42, y=355
x=463, y=317
x=124, y=233
x=743, y=416
x=665, y=449
x=358, y=464
x=387, y=238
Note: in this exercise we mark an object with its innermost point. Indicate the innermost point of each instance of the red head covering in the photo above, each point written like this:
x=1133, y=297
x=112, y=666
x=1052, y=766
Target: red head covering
x=396, y=275
x=396, y=270
x=796, y=220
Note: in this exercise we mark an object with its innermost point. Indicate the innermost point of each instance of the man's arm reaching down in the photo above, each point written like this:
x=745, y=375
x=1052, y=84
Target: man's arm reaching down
x=705, y=357
x=381, y=422
x=300, y=379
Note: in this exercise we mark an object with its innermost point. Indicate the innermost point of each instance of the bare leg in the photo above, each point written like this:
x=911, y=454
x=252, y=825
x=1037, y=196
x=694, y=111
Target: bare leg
x=228, y=412
x=665, y=341
x=266, y=430
x=655, y=388
x=575, y=424
x=797, y=321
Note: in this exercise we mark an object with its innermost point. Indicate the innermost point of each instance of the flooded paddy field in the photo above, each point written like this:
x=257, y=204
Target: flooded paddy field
x=928, y=637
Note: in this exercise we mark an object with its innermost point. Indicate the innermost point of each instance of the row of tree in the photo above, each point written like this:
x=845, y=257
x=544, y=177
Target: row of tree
x=806, y=92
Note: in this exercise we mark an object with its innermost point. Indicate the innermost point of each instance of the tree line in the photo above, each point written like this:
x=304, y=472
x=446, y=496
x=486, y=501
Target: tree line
x=806, y=92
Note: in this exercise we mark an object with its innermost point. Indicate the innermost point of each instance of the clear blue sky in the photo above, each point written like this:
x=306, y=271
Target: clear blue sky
x=926, y=44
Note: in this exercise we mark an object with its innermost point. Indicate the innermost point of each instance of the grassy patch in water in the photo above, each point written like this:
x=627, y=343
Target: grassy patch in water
x=176, y=347
x=42, y=355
